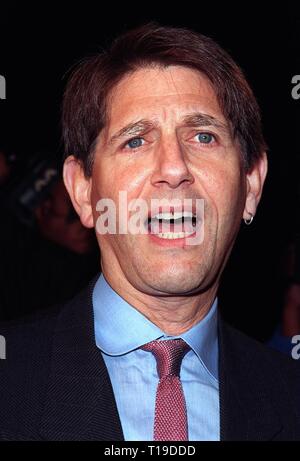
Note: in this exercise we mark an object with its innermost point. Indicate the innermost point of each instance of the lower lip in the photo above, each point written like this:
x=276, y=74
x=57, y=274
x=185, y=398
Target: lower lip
x=179, y=242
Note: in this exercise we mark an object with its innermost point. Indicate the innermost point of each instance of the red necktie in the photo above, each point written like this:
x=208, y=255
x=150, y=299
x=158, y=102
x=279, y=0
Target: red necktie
x=170, y=410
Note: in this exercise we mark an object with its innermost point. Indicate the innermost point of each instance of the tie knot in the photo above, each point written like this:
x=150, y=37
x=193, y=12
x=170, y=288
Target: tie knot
x=168, y=354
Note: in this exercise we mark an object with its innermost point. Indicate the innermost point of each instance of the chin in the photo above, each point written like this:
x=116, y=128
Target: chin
x=175, y=281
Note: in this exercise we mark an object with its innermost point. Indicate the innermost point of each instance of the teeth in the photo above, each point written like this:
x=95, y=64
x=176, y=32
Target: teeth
x=174, y=235
x=175, y=215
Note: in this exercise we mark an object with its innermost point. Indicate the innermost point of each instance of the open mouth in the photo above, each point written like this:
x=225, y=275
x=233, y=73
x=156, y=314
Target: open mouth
x=173, y=224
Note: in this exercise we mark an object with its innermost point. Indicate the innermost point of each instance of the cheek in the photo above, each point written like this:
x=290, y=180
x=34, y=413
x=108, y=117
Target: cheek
x=225, y=189
x=104, y=185
x=119, y=174
x=112, y=186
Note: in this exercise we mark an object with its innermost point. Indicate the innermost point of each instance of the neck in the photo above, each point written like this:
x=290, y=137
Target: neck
x=174, y=314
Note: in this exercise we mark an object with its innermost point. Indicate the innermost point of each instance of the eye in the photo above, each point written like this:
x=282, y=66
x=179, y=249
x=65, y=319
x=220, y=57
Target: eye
x=134, y=143
x=205, y=138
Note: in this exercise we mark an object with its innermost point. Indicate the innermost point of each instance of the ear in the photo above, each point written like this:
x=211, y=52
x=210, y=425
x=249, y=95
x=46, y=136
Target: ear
x=255, y=181
x=79, y=189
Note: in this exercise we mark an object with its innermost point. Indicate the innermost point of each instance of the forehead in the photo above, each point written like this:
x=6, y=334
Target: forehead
x=154, y=91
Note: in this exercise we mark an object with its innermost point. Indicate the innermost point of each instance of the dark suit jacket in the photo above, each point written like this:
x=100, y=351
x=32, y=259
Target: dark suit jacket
x=55, y=386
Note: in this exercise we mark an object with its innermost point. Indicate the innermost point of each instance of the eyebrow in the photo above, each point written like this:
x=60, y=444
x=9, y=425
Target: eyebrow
x=133, y=129
x=201, y=119
x=196, y=119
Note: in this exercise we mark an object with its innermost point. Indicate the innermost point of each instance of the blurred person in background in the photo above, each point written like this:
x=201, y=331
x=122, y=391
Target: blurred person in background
x=58, y=222
x=289, y=325
x=45, y=251
x=4, y=168
x=289, y=322
x=8, y=164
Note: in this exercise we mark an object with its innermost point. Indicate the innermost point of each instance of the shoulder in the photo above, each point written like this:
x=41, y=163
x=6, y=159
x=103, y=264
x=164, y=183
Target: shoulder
x=23, y=335
x=269, y=370
x=241, y=344
x=25, y=370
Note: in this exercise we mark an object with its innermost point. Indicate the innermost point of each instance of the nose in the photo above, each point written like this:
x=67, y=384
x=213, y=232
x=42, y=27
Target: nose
x=171, y=169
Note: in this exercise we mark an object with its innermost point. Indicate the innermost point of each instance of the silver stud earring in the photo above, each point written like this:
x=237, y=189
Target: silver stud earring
x=249, y=221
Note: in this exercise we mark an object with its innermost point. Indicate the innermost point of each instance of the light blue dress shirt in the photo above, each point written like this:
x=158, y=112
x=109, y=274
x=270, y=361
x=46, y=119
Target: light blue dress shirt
x=120, y=330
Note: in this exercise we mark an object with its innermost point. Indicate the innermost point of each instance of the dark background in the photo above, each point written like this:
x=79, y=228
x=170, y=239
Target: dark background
x=39, y=45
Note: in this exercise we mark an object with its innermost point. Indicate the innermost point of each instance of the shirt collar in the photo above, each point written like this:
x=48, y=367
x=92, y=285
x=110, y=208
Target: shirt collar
x=120, y=328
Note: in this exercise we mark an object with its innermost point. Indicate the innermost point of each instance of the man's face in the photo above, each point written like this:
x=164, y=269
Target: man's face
x=176, y=145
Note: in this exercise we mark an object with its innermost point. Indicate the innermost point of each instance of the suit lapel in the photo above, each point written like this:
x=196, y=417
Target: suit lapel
x=80, y=404
x=246, y=411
